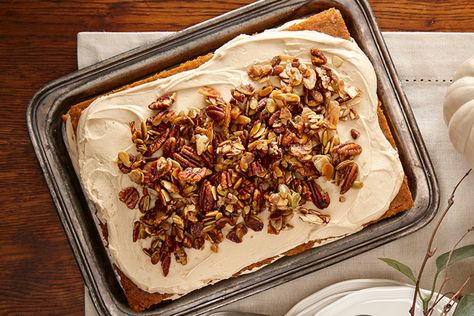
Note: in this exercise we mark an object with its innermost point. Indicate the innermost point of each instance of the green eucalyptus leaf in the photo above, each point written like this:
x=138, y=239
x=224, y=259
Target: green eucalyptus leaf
x=465, y=306
x=403, y=268
x=458, y=255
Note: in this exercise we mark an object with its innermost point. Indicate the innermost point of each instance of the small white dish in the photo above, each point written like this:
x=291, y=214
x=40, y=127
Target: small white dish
x=315, y=302
x=378, y=301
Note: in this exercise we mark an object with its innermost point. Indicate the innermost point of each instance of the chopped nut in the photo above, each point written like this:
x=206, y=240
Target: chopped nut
x=144, y=203
x=310, y=81
x=124, y=158
x=355, y=133
x=288, y=97
x=337, y=61
x=136, y=176
x=129, y=196
x=318, y=58
x=313, y=216
x=216, y=112
x=209, y=92
x=163, y=167
x=202, y=143
x=256, y=169
x=254, y=223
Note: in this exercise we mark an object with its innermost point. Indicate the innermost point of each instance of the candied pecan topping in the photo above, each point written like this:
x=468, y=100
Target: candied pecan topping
x=216, y=172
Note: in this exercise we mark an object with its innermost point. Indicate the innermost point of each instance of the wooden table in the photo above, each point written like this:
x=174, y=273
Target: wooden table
x=38, y=273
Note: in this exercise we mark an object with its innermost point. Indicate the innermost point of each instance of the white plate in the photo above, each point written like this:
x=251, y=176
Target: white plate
x=377, y=301
x=315, y=302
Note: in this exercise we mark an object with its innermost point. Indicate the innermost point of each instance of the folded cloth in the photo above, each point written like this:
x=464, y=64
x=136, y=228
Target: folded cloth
x=425, y=63
x=93, y=47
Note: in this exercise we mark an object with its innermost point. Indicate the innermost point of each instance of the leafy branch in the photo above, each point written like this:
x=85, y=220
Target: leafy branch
x=465, y=307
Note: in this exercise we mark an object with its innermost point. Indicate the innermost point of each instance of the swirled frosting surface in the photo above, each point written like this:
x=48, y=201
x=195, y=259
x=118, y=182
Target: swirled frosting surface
x=103, y=131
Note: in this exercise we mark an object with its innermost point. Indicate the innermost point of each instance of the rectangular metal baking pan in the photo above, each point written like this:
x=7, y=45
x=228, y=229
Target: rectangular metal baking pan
x=45, y=128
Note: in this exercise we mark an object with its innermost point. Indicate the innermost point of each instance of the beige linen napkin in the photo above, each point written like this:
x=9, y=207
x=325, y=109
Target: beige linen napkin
x=425, y=63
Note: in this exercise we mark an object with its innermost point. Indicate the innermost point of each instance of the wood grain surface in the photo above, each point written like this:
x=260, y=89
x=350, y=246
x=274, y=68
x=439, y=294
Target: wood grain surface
x=38, y=273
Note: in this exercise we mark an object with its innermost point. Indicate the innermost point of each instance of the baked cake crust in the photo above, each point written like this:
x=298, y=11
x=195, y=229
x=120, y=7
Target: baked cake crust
x=329, y=22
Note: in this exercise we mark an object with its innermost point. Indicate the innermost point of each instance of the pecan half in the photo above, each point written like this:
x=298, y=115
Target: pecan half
x=165, y=263
x=348, y=149
x=129, y=196
x=157, y=143
x=206, y=197
x=195, y=229
x=253, y=222
x=320, y=198
x=136, y=230
x=351, y=173
x=216, y=113
x=237, y=233
x=188, y=157
x=169, y=147
x=192, y=175
x=163, y=102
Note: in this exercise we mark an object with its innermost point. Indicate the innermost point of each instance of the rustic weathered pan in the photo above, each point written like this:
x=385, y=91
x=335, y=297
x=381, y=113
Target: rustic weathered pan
x=46, y=132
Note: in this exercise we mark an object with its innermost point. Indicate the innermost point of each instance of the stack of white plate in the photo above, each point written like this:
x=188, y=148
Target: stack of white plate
x=364, y=297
